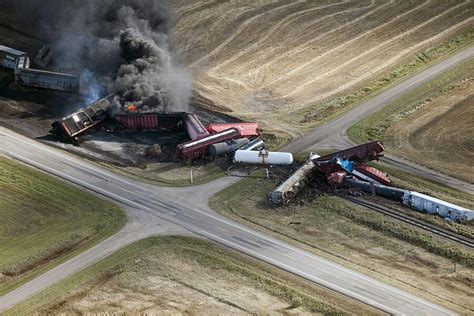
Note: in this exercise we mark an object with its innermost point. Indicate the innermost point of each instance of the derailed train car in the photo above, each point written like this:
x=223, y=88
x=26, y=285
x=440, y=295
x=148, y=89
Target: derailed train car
x=291, y=186
x=10, y=57
x=49, y=80
x=70, y=127
x=428, y=204
x=151, y=121
x=248, y=130
x=194, y=127
x=198, y=148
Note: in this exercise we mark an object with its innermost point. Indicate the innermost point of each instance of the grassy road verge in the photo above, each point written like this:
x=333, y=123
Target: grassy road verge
x=45, y=222
x=185, y=275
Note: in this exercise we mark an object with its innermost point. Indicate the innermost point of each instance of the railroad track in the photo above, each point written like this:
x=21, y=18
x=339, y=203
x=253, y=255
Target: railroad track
x=445, y=233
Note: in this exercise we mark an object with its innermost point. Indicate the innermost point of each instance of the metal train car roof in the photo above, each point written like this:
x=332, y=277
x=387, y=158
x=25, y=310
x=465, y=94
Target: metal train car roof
x=12, y=51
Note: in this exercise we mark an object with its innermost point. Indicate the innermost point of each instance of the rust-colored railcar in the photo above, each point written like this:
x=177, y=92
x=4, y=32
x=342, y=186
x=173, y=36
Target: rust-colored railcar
x=151, y=121
x=198, y=148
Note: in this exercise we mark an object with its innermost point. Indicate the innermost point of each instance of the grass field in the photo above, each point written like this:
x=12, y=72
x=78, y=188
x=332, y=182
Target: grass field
x=431, y=126
x=362, y=239
x=291, y=64
x=178, y=275
x=45, y=221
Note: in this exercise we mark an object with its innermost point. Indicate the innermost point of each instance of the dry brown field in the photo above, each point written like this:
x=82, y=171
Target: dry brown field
x=267, y=60
x=185, y=276
x=442, y=132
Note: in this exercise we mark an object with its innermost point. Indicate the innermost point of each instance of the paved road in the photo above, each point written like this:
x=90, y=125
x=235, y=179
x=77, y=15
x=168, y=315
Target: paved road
x=333, y=135
x=147, y=200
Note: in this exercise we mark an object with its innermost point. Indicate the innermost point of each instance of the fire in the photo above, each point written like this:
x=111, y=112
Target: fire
x=131, y=108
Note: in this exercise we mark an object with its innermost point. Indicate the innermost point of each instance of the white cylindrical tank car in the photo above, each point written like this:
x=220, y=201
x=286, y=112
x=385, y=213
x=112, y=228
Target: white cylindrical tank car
x=224, y=148
x=263, y=157
x=255, y=144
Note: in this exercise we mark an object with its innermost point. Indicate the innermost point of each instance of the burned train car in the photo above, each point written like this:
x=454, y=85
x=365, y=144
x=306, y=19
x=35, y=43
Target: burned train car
x=70, y=127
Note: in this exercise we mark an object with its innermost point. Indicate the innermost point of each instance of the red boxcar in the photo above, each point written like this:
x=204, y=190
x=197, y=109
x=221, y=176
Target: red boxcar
x=151, y=121
x=198, y=148
x=373, y=173
x=194, y=127
x=248, y=130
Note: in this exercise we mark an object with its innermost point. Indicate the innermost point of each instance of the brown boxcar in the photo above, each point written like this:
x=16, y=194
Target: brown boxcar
x=198, y=148
x=365, y=152
x=151, y=121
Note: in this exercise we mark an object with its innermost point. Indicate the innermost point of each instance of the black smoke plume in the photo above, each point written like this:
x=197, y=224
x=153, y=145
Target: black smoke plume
x=122, y=43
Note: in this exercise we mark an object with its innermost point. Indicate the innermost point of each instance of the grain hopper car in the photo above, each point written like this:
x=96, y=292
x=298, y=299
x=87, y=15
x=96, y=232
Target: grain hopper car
x=198, y=148
x=48, y=80
x=291, y=186
x=70, y=127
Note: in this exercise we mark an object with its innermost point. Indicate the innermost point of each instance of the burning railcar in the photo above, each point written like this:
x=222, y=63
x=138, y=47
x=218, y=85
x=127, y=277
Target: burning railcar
x=70, y=127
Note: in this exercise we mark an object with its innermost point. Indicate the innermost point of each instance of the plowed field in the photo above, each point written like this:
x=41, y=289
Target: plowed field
x=267, y=60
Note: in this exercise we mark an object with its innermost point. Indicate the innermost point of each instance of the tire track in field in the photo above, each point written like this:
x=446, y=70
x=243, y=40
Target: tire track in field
x=326, y=53
x=298, y=48
x=211, y=72
x=390, y=62
x=196, y=7
x=367, y=52
x=289, y=19
x=239, y=30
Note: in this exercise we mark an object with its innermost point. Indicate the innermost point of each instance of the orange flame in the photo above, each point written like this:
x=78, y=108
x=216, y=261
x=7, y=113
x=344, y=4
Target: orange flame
x=131, y=108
